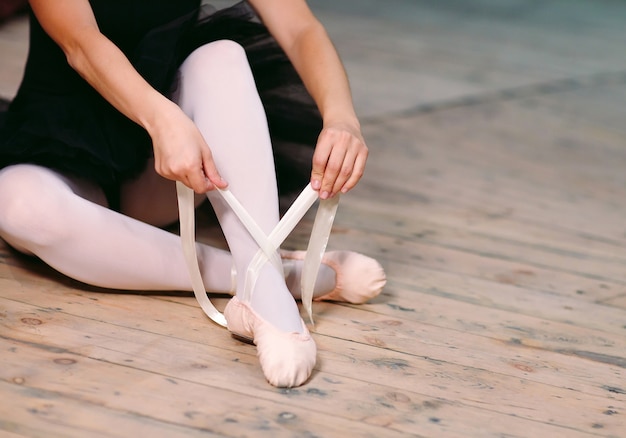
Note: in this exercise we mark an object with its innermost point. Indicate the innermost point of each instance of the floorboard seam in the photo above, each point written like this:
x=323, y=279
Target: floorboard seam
x=505, y=94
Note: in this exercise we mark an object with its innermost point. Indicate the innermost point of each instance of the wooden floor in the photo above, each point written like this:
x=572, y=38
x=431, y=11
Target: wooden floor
x=496, y=200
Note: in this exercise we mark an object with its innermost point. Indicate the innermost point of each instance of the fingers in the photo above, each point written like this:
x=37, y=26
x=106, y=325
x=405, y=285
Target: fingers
x=198, y=181
x=205, y=178
x=338, y=162
x=320, y=160
x=357, y=172
x=337, y=171
x=199, y=174
x=182, y=154
x=211, y=172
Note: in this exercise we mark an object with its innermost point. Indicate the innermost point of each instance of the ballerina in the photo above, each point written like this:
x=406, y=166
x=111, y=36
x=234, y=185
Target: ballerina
x=120, y=101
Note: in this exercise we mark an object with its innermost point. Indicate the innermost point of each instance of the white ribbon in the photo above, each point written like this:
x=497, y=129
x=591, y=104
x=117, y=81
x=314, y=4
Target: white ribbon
x=268, y=245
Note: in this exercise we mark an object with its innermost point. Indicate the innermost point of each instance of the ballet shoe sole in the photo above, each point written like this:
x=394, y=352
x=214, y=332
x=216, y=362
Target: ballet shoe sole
x=242, y=338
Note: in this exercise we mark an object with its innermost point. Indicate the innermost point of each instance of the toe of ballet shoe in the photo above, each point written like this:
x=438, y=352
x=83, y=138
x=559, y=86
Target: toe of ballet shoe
x=359, y=278
x=287, y=359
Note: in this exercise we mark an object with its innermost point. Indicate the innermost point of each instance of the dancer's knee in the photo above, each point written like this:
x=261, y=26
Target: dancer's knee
x=33, y=211
x=226, y=53
x=215, y=69
x=217, y=61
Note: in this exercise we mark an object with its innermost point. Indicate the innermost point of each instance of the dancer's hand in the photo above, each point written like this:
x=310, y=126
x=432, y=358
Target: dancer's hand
x=341, y=153
x=339, y=159
x=181, y=153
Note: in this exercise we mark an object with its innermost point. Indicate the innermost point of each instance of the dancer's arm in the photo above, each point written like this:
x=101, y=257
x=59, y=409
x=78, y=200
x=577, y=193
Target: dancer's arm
x=180, y=151
x=341, y=153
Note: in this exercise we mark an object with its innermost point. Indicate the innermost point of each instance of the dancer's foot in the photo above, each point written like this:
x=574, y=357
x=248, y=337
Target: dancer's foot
x=345, y=276
x=272, y=301
x=287, y=358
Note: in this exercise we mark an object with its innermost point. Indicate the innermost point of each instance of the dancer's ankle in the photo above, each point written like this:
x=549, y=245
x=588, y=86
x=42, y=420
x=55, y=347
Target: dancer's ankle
x=325, y=283
x=273, y=302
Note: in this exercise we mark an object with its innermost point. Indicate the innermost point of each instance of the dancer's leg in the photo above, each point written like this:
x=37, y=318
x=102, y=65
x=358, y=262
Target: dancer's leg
x=217, y=90
x=65, y=223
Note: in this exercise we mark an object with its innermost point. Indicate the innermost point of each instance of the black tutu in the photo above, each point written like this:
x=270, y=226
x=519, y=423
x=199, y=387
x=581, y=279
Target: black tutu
x=59, y=121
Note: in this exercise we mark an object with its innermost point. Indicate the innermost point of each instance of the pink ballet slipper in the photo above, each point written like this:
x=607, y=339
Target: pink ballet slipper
x=358, y=278
x=287, y=359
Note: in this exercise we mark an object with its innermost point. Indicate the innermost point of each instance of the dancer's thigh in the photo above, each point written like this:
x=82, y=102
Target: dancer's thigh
x=29, y=192
x=151, y=198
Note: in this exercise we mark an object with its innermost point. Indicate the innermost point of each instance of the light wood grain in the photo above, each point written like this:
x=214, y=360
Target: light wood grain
x=495, y=199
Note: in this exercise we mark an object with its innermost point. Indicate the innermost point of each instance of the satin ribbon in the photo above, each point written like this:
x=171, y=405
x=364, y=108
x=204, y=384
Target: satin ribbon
x=268, y=245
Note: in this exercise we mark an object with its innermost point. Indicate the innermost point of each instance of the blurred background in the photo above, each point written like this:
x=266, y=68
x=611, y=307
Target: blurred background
x=405, y=54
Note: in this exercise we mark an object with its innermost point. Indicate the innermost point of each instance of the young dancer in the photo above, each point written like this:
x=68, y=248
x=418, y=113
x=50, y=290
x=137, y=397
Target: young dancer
x=122, y=98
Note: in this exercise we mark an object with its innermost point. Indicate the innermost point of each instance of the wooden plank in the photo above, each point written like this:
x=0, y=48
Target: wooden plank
x=172, y=400
x=33, y=412
x=441, y=311
x=407, y=279
x=462, y=182
x=399, y=255
x=420, y=332
x=578, y=262
x=423, y=221
x=435, y=417
x=452, y=319
x=478, y=202
x=432, y=335
x=509, y=327
x=619, y=302
x=499, y=219
x=106, y=346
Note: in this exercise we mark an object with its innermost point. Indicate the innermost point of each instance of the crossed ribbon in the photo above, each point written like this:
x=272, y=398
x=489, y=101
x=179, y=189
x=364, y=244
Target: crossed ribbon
x=268, y=244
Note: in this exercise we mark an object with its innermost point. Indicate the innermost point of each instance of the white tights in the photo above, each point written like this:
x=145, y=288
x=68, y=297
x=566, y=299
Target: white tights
x=65, y=222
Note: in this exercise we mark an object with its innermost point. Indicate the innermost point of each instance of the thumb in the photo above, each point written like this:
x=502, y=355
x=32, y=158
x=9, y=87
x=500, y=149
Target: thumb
x=211, y=172
x=320, y=159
